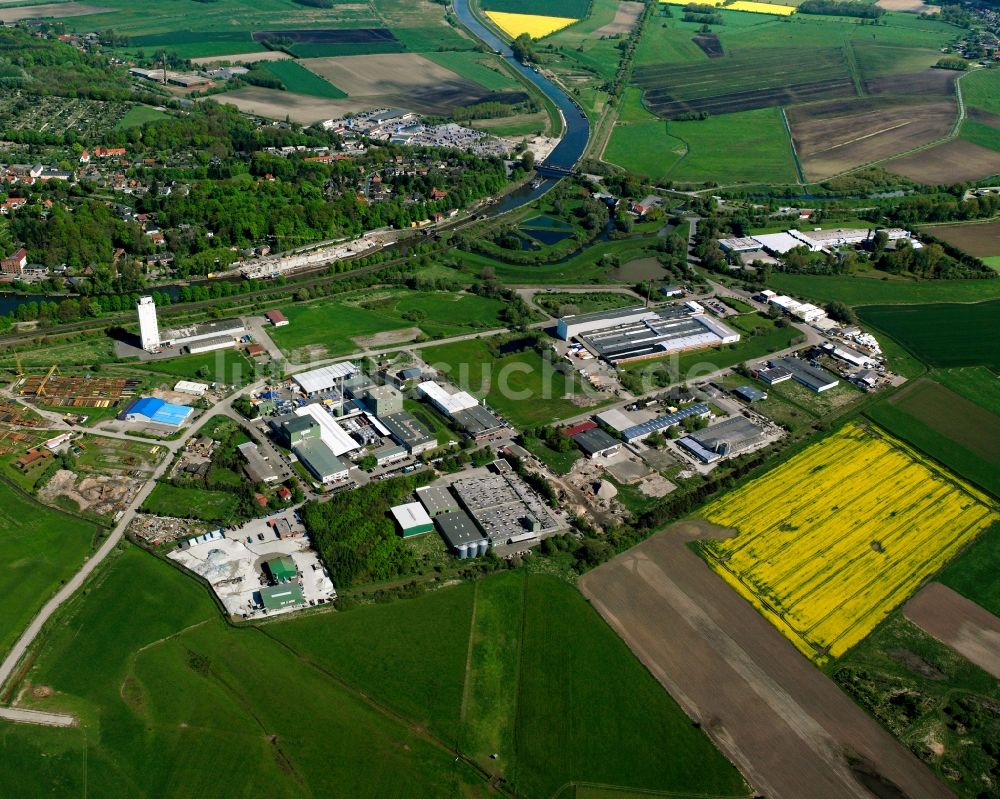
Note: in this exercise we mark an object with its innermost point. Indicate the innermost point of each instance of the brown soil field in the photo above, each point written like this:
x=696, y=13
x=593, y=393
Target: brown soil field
x=926, y=83
x=625, y=18
x=953, y=416
x=406, y=80
x=785, y=724
x=243, y=58
x=913, y=6
x=981, y=239
x=56, y=10
x=952, y=162
x=639, y=269
x=276, y=104
x=832, y=137
x=709, y=44
x=969, y=629
x=390, y=73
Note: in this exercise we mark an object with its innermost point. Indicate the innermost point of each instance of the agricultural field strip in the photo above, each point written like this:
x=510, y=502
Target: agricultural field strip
x=781, y=720
x=756, y=98
x=955, y=621
x=782, y=558
x=779, y=68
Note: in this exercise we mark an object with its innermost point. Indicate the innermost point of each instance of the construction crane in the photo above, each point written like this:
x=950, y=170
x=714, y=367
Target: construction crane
x=40, y=391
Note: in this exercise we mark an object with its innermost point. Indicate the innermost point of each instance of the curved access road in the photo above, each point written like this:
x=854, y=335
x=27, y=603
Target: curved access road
x=10, y=662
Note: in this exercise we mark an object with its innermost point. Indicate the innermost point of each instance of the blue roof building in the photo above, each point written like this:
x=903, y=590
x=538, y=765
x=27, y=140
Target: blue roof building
x=157, y=411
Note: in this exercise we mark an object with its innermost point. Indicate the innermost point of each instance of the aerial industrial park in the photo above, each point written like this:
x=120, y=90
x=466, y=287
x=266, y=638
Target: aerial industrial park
x=463, y=400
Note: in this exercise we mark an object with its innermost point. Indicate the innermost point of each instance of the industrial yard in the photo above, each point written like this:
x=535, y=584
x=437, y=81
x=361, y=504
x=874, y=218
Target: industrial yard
x=265, y=566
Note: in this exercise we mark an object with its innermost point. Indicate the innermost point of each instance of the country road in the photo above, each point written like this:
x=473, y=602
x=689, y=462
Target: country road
x=10, y=662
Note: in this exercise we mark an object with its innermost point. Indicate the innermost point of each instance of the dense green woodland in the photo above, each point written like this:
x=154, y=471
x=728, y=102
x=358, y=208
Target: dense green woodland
x=355, y=535
x=232, y=195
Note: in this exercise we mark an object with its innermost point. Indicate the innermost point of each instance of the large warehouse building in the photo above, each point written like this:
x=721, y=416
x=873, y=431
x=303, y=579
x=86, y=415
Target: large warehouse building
x=156, y=411
x=331, y=433
x=326, y=378
x=723, y=440
x=477, y=421
x=319, y=459
x=205, y=337
x=633, y=334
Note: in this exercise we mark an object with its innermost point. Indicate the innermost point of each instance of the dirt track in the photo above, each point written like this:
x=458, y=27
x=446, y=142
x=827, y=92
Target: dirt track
x=966, y=627
x=777, y=717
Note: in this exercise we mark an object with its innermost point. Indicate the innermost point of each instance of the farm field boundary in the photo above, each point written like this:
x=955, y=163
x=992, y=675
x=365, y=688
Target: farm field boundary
x=955, y=621
x=953, y=416
x=778, y=718
x=941, y=334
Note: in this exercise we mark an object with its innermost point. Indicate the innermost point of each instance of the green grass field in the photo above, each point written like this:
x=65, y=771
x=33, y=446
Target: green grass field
x=746, y=147
x=983, y=135
x=860, y=291
x=975, y=573
x=296, y=78
x=941, y=334
x=40, y=548
x=587, y=266
x=574, y=9
x=558, y=462
x=191, y=503
x=175, y=703
x=486, y=70
x=223, y=366
x=416, y=663
x=337, y=327
x=139, y=115
x=981, y=89
x=521, y=386
x=584, y=303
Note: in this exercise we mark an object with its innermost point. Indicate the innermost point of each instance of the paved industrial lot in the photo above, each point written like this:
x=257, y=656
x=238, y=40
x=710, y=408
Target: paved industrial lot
x=232, y=565
x=784, y=723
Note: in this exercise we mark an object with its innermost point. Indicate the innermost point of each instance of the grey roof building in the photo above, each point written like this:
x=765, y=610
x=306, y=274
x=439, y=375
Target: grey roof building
x=437, y=500
x=596, y=443
x=749, y=393
x=258, y=468
x=812, y=377
x=725, y=439
x=320, y=460
x=461, y=534
x=405, y=428
x=668, y=420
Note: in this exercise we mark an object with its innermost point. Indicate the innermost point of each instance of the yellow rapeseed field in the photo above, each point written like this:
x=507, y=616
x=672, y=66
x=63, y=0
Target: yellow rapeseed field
x=760, y=8
x=534, y=25
x=832, y=540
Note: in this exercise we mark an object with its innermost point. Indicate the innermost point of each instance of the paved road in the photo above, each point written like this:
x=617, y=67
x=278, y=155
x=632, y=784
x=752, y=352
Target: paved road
x=14, y=656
